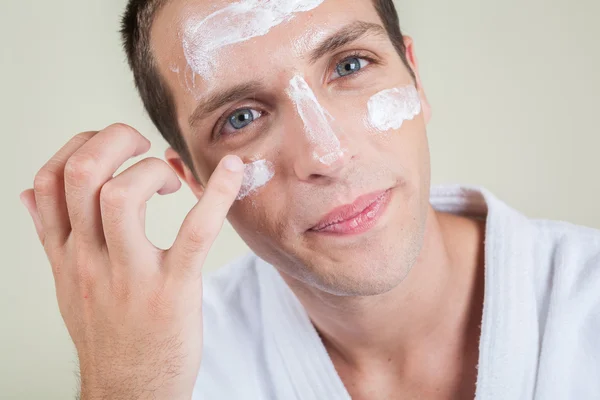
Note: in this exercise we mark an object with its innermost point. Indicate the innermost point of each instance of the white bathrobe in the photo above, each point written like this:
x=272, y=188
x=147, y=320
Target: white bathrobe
x=540, y=332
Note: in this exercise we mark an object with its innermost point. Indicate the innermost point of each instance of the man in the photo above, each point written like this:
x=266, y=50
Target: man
x=363, y=282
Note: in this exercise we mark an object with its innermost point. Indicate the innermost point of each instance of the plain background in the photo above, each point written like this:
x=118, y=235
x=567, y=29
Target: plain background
x=515, y=91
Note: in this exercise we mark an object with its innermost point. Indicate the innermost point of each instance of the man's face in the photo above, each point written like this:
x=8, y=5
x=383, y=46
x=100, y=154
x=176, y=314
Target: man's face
x=330, y=122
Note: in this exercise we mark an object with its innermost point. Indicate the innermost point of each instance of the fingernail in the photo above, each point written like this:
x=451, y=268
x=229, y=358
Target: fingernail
x=233, y=163
x=21, y=199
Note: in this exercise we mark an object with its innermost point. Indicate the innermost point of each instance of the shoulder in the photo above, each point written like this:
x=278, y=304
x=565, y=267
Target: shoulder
x=556, y=247
x=572, y=251
x=568, y=304
x=555, y=263
x=567, y=279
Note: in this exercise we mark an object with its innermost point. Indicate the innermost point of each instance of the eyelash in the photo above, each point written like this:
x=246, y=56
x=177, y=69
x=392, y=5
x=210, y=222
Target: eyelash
x=356, y=54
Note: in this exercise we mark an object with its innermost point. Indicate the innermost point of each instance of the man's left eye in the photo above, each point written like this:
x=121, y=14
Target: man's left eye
x=349, y=66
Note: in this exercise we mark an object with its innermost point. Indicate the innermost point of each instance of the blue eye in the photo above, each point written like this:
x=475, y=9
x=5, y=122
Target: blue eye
x=350, y=65
x=242, y=118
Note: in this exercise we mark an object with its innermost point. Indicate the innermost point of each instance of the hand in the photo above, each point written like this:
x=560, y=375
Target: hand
x=132, y=310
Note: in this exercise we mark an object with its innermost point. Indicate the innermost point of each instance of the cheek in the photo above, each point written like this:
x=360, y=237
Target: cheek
x=392, y=117
x=389, y=109
x=385, y=111
x=256, y=175
x=261, y=220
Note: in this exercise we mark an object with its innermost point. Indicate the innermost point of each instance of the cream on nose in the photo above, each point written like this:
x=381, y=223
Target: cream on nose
x=326, y=145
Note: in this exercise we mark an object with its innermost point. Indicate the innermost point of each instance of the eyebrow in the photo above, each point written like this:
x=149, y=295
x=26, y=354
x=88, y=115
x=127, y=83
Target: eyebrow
x=338, y=39
x=344, y=36
x=220, y=98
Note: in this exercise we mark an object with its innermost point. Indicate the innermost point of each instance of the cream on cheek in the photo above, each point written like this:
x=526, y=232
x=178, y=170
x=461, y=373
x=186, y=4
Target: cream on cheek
x=256, y=175
x=389, y=108
x=238, y=22
x=316, y=124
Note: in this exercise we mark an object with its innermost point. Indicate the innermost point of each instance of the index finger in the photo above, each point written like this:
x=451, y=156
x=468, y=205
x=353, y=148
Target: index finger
x=204, y=222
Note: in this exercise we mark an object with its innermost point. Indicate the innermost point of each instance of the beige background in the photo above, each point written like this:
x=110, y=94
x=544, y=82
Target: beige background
x=514, y=85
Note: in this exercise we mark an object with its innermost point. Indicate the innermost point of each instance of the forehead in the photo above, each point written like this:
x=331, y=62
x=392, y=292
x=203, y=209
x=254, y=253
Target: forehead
x=216, y=38
x=218, y=15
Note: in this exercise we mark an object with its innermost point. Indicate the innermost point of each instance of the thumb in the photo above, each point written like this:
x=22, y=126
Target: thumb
x=204, y=222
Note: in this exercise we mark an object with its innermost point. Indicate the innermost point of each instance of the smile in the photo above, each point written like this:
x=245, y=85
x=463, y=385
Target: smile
x=357, y=217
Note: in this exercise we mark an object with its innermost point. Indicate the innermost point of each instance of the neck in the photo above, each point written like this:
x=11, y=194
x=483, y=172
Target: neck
x=435, y=309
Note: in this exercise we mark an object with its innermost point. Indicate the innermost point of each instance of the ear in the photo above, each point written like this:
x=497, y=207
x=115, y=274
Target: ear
x=184, y=173
x=414, y=64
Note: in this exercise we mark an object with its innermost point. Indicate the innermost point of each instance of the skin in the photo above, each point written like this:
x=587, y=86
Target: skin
x=398, y=307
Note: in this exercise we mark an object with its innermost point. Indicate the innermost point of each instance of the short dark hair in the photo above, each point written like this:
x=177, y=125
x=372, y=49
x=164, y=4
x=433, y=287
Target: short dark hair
x=158, y=100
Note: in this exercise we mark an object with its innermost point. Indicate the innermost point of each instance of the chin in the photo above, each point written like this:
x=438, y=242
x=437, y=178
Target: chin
x=368, y=273
x=367, y=284
x=371, y=270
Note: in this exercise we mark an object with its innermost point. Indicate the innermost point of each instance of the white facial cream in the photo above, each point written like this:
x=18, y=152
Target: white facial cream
x=389, y=109
x=236, y=23
x=316, y=122
x=256, y=175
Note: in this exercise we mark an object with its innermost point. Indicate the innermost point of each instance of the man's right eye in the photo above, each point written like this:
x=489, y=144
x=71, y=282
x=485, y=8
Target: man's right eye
x=236, y=121
x=242, y=118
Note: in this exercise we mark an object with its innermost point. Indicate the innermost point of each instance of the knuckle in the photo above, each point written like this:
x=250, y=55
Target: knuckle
x=113, y=195
x=197, y=237
x=80, y=168
x=197, y=241
x=84, y=136
x=45, y=182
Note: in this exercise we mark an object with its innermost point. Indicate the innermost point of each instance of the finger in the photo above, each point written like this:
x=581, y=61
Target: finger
x=203, y=223
x=123, y=206
x=89, y=169
x=28, y=199
x=49, y=190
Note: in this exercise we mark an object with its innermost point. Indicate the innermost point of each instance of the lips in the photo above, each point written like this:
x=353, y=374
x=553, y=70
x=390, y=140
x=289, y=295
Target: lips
x=357, y=217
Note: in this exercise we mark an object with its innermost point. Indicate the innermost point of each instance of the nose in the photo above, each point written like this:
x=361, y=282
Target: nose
x=308, y=167
x=317, y=150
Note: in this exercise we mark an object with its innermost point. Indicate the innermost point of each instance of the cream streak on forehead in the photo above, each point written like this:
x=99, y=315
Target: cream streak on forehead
x=238, y=22
x=316, y=122
x=389, y=108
